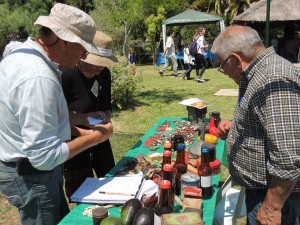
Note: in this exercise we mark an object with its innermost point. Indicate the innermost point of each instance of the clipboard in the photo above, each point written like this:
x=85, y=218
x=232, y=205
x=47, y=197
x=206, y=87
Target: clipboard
x=109, y=190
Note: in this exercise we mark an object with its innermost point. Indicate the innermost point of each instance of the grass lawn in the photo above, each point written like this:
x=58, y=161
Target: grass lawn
x=159, y=97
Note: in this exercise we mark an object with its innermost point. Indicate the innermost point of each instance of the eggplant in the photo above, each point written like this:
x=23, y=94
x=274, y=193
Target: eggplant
x=145, y=216
x=111, y=220
x=129, y=210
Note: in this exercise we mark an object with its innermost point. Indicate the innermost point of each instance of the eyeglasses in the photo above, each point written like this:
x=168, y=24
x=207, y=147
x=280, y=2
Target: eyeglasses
x=85, y=54
x=221, y=68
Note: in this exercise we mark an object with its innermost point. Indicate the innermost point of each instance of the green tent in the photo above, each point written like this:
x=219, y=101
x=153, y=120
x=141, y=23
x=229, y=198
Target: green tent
x=190, y=17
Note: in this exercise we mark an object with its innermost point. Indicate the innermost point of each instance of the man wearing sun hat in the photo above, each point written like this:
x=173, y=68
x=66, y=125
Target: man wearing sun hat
x=83, y=103
x=35, y=132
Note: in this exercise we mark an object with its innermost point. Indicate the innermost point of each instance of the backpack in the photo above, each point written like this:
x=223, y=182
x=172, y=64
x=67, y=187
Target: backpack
x=193, y=49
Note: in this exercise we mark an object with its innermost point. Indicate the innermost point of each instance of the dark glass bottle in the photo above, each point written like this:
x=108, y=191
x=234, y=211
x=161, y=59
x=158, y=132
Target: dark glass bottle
x=178, y=138
x=167, y=154
x=217, y=118
x=180, y=167
x=205, y=173
x=164, y=204
x=168, y=175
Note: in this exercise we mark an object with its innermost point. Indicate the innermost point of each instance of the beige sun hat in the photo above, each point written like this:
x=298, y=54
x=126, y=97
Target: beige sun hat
x=70, y=24
x=104, y=56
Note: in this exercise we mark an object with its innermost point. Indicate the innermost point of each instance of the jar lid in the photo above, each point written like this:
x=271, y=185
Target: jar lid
x=190, y=178
x=167, y=153
x=165, y=184
x=99, y=212
x=215, y=163
x=168, y=167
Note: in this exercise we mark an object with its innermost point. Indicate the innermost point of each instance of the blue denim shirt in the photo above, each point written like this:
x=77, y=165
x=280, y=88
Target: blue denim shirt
x=34, y=121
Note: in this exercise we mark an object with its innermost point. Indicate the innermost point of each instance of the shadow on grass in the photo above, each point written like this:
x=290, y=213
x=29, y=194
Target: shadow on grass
x=162, y=95
x=122, y=142
x=156, y=95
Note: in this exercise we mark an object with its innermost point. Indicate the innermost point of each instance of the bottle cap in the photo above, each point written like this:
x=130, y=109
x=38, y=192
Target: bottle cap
x=165, y=184
x=167, y=153
x=167, y=144
x=214, y=114
x=168, y=167
x=178, y=137
x=180, y=146
x=204, y=150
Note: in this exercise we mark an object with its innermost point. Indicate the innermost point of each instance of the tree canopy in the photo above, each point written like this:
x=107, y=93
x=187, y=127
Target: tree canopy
x=129, y=22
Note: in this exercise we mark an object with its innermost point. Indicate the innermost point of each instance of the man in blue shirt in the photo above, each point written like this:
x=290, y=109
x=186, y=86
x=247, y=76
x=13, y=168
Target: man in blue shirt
x=34, y=127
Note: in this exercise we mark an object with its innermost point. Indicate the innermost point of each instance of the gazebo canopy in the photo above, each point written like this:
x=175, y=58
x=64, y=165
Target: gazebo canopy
x=190, y=16
x=280, y=10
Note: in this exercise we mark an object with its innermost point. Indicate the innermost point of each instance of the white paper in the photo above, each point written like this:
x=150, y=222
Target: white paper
x=127, y=186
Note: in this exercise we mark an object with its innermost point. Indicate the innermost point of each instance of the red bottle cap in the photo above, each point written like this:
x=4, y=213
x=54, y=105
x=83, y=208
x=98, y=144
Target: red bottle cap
x=165, y=184
x=167, y=153
x=168, y=167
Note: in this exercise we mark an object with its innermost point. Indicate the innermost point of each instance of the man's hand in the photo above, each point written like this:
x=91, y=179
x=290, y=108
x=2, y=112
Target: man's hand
x=223, y=128
x=104, y=130
x=266, y=215
x=270, y=210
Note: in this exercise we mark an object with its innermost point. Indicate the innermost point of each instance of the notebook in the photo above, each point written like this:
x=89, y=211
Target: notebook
x=109, y=190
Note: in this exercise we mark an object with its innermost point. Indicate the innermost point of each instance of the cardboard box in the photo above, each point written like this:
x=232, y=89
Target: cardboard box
x=186, y=218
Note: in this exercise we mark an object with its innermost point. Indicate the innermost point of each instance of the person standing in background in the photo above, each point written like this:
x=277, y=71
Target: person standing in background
x=170, y=53
x=84, y=104
x=264, y=137
x=200, y=59
x=187, y=58
x=35, y=131
x=130, y=56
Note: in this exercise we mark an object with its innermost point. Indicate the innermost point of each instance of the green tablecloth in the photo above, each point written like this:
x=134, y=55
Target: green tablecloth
x=75, y=216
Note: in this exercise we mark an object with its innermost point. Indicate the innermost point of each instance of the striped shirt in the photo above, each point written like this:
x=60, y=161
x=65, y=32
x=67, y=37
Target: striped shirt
x=34, y=121
x=265, y=137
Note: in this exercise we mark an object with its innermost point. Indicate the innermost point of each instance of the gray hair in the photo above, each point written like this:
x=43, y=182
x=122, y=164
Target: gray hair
x=236, y=38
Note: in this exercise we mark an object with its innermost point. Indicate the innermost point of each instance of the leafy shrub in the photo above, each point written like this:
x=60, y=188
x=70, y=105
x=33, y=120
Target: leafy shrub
x=126, y=81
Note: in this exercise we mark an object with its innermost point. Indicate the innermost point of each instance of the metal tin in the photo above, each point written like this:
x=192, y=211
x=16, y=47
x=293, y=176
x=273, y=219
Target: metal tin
x=189, y=180
x=99, y=214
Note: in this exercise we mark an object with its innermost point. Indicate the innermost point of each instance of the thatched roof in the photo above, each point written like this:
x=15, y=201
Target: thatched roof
x=280, y=10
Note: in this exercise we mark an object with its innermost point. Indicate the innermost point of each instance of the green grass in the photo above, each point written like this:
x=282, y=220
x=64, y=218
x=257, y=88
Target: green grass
x=158, y=98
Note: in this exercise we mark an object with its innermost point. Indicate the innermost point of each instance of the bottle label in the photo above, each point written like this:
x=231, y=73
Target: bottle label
x=205, y=181
x=157, y=219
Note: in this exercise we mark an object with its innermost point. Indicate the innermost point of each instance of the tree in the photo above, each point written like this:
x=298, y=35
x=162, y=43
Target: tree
x=153, y=23
x=119, y=16
x=17, y=17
